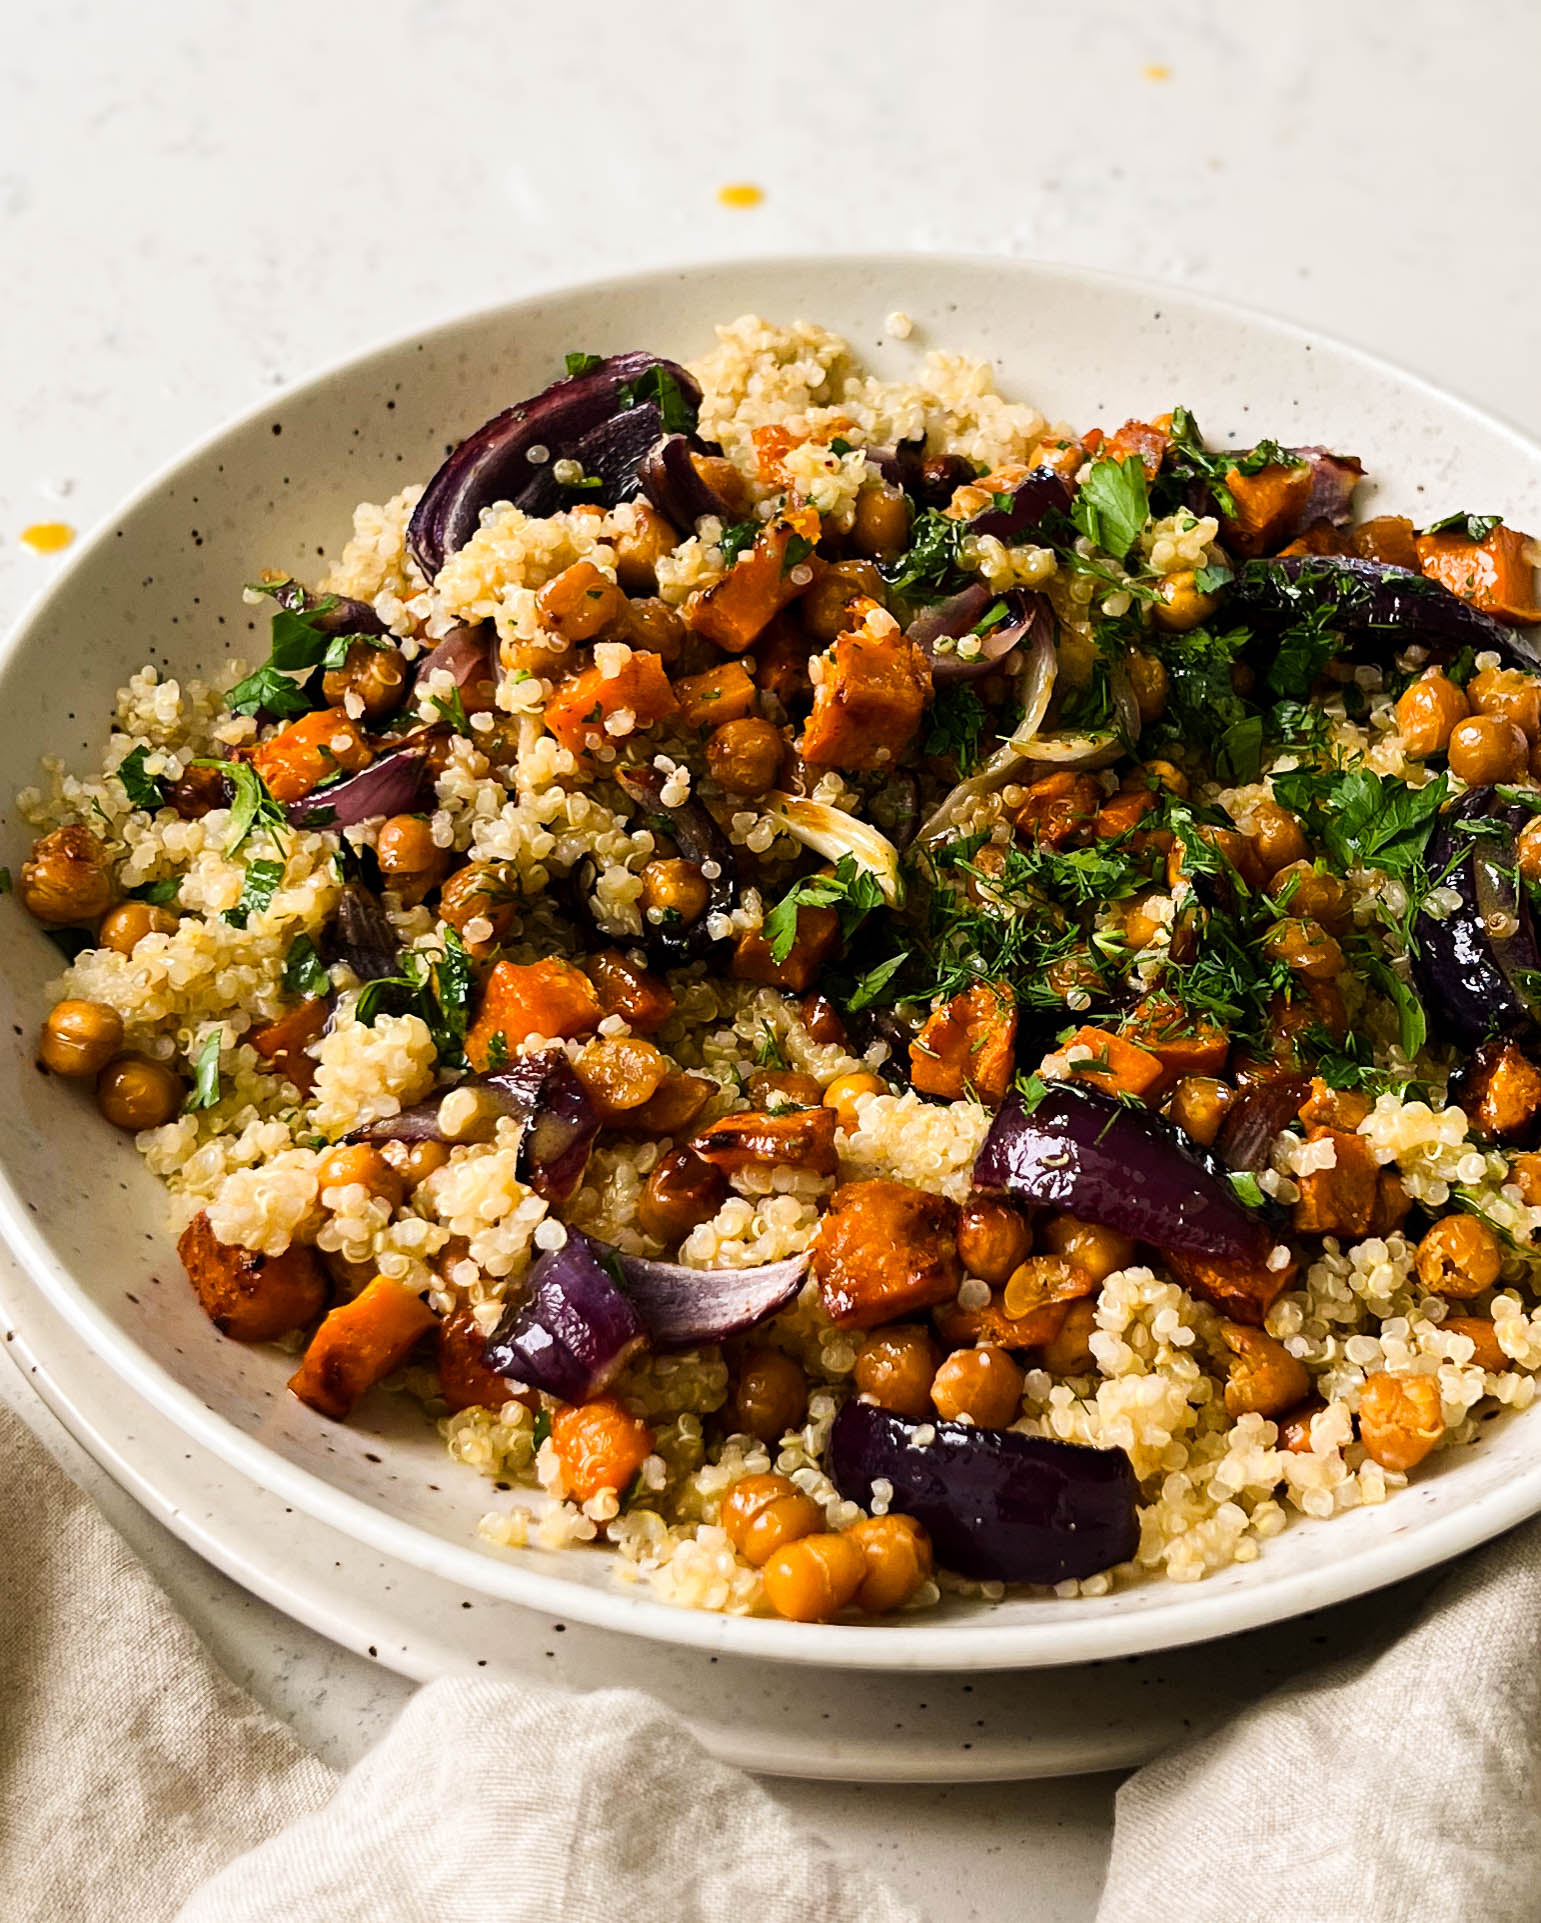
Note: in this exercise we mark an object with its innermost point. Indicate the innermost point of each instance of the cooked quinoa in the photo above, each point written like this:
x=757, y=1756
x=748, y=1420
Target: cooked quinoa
x=736, y=850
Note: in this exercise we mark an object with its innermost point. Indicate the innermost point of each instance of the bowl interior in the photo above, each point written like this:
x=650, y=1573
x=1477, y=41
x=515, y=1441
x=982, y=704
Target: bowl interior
x=162, y=583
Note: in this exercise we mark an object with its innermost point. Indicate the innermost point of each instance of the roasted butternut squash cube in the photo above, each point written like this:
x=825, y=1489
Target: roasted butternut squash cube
x=1111, y=1063
x=1339, y=1200
x=246, y=1295
x=359, y=1344
x=760, y=583
x=1246, y=1291
x=1269, y=506
x=635, y=696
x=867, y=703
x=310, y=751
x=818, y=936
x=968, y=1046
x=885, y=1250
x=1494, y=573
x=552, y=999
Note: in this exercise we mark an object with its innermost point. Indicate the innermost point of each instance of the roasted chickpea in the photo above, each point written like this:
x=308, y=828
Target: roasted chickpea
x=1148, y=777
x=775, y=1088
x=196, y=791
x=899, y=1560
x=1099, y=1251
x=1428, y=711
x=619, y=1073
x=1070, y=1352
x=1459, y=1257
x=67, y=879
x=1400, y=1419
x=993, y=1238
x=1147, y=916
x=1295, y=1426
x=1278, y=837
x=811, y=1580
x=1510, y=695
x=1525, y=1173
x=363, y=1165
x=1302, y=890
x=984, y=1385
x=414, y=1162
x=761, y=1514
x=1528, y=848
x=134, y=1092
x=656, y=628
x=580, y=602
x=895, y=1368
x=822, y=1020
x=1488, y=748
x=125, y=927
x=1264, y=1378
x=1483, y=1337
x=846, y=1092
x=1149, y=680
x=683, y=1189
x=377, y=675
x=478, y=902
x=640, y=546
x=1182, y=604
x=410, y=859
x=825, y=610
x=772, y=1394
x=1198, y=1107
x=745, y=756
x=676, y=889
x=80, y=1038
x=1305, y=948
x=881, y=527
x=1071, y=972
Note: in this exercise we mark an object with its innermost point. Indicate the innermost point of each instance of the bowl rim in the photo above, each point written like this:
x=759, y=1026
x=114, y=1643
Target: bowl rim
x=1189, y=1614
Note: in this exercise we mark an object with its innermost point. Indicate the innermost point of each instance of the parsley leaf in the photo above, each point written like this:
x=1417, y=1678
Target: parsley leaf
x=1475, y=527
x=298, y=647
x=1113, y=504
x=798, y=548
x=252, y=807
x=1032, y=1089
x=958, y=724
x=581, y=363
x=541, y=1429
x=497, y=1051
x=871, y=986
x=928, y=569
x=851, y=890
x=206, y=1072
x=657, y=384
x=733, y=540
x=1363, y=818
x=158, y=892
x=143, y=790
x=1210, y=578
x=304, y=972
x=438, y=989
x=257, y=892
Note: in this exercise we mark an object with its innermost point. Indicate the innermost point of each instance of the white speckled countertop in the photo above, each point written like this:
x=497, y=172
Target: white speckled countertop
x=200, y=204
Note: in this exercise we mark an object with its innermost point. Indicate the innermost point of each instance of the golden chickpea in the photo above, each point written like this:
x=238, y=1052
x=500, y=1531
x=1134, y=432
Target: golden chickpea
x=1525, y=1174
x=1147, y=777
x=1101, y=1252
x=846, y=1091
x=773, y=1088
x=811, y=1580
x=993, y=1239
x=772, y=1394
x=1510, y=695
x=1198, y=1107
x=825, y=610
x=125, y=927
x=1146, y=917
x=676, y=888
x=414, y=1162
x=1182, y=604
x=580, y=602
x=745, y=756
x=479, y=897
x=410, y=859
x=641, y=546
x=1264, y=1378
x=67, y=878
x=899, y=1560
x=1528, y=849
x=1428, y=711
x=656, y=628
x=80, y=1038
x=822, y=1020
x=761, y=1514
x=134, y=1092
x=1295, y=1425
x=1148, y=677
x=1483, y=1337
x=1487, y=748
x=1305, y=949
x=1301, y=889
x=1278, y=837
x=363, y=1165
x=683, y=1189
x=619, y=1073
x=377, y=675
x=1400, y=1419
x=1459, y=1257
x=895, y=1368
x=1070, y=1352
x=984, y=1385
x=881, y=528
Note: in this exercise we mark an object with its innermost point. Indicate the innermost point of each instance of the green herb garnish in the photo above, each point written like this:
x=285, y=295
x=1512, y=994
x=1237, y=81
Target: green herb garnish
x=1113, y=504
x=143, y=790
x=206, y=1072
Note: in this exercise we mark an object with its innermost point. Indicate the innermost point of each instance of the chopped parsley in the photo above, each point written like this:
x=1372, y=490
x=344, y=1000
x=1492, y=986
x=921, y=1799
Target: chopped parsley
x=658, y=385
x=453, y=709
x=298, y=648
x=257, y=892
x=1475, y=527
x=928, y=569
x=252, y=807
x=958, y=725
x=1189, y=460
x=872, y=987
x=438, y=989
x=798, y=548
x=581, y=363
x=497, y=1051
x=541, y=1429
x=304, y=972
x=852, y=891
x=1113, y=504
x=733, y=540
x=158, y=892
x=143, y=790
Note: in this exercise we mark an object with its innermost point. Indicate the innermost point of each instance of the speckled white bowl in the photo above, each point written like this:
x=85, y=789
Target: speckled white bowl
x=161, y=582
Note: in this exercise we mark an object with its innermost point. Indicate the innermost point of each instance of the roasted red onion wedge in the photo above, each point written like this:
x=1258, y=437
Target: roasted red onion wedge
x=998, y=1506
x=672, y=482
x=1474, y=979
x=1125, y=1168
x=684, y=1307
x=391, y=785
x=1041, y=493
x=939, y=630
x=575, y=1329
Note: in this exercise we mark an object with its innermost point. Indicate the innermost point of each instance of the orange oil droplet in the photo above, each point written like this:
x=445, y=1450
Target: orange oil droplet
x=47, y=537
x=741, y=193
x=1157, y=70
